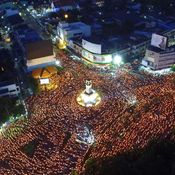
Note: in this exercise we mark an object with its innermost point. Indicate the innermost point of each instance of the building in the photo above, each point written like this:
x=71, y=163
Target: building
x=99, y=50
x=7, y=69
x=11, y=12
x=22, y=34
x=39, y=54
x=129, y=47
x=68, y=31
x=159, y=55
x=26, y=34
x=9, y=88
x=94, y=52
x=64, y=5
x=15, y=20
x=157, y=59
x=8, y=75
x=103, y=50
x=99, y=3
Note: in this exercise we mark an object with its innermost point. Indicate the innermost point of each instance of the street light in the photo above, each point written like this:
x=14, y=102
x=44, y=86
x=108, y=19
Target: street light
x=66, y=16
x=57, y=62
x=117, y=60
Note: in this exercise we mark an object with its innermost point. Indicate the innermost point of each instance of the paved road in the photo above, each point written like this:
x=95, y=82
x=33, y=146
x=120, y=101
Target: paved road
x=33, y=23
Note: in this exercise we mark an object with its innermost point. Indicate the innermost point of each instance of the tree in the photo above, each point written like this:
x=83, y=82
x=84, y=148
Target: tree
x=173, y=68
x=17, y=110
x=157, y=158
x=8, y=108
x=90, y=166
x=74, y=172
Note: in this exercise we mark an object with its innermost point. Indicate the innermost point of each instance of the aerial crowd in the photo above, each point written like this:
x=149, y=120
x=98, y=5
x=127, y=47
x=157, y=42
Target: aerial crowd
x=135, y=109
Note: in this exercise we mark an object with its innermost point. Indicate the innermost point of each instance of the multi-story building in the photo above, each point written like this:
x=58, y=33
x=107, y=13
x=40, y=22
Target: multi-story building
x=131, y=46
x=103, y=50
x=67, y=31
x=157, y=59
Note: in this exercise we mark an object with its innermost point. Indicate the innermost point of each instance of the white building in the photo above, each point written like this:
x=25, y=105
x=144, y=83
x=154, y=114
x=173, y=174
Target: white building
x=95, y=52
x=9, y=89
x=68, y=31
x=159, y=55
x=157, y=59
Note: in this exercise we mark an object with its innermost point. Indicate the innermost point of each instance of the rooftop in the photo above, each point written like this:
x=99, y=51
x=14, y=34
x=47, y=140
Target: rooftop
x=62, y=3
x=73, y=26
x=129, y=15
x=26, y=34
x=6, y=83
x=39, y=49
x=3, y=91
x=115, y=43
x=158, y=50
x=15, y=19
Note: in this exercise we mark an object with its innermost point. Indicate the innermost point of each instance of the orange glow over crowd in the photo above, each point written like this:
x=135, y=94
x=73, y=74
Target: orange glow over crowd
x=118, y=126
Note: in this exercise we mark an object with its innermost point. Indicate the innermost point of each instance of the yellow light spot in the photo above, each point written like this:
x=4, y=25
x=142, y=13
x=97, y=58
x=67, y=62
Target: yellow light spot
x=66, y=16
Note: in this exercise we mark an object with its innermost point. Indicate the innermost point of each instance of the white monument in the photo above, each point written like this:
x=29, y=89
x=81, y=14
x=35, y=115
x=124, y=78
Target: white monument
x=89, y=97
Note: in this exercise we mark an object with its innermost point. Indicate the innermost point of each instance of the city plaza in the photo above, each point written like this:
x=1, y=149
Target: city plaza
x=64, y=133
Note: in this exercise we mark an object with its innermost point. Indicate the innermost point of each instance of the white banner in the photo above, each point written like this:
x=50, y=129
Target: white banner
x=44, y=81
x=91, y=47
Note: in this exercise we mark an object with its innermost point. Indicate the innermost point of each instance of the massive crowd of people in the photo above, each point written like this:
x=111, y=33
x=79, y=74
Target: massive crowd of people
x=117, y=124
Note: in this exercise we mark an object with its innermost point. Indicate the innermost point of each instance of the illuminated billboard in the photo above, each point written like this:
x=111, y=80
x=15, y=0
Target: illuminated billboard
x=91, y=47
x=159, y=41
x=44, y=81
x=97, y=58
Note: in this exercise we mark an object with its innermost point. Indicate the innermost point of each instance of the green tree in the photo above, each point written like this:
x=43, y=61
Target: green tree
x=173, y=68
x=90, y=166
x=18, y=110
x=9, y=108
x=74, y=172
